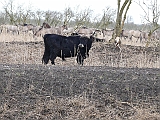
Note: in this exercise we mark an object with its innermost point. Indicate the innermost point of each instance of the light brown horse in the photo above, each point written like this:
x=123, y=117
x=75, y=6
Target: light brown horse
x=42, y=31
x=46, y=25
x=135, y=33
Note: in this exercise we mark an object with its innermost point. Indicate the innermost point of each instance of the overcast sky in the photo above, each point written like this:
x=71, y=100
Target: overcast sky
x=96, y=5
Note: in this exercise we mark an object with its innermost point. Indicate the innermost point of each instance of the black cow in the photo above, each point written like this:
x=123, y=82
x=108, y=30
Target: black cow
x=63, y=46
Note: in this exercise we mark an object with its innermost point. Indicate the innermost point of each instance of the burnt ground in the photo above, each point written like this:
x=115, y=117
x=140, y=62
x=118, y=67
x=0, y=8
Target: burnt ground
x=27, y=90
x=31, y=91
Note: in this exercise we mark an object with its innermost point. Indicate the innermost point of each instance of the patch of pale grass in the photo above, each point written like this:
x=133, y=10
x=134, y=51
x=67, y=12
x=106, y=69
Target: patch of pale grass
x=145, y=114
x=135, y=42
x=32, y=54
x=9, y=37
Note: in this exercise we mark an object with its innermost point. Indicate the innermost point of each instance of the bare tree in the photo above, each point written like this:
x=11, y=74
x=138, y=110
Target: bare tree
x=67, y=15
x=151, y=15
x=96, y=21
x=83, y=17
x=121, y=16
x=16, y=14
x=9, y=11
x=37, y=15
x=24, y=15
x=107, y=18
x=3, y=18
x=53, y=18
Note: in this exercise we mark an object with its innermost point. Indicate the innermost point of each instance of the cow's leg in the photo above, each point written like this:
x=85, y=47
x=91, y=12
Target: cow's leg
x=53, y=56
x=62, y=55
x=80, y=59
x=63, y=58
x=46, y=55
x=45, y=58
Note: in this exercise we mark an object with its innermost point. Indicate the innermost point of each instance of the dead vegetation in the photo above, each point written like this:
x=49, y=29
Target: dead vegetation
x=101, y=54
x=51, y=92
x=111, y=84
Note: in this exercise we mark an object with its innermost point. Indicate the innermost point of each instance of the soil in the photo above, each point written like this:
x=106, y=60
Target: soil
x=30, y=90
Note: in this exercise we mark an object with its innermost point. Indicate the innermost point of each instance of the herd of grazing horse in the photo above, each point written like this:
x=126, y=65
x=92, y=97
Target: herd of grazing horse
x=140, y=35
x=70, y=42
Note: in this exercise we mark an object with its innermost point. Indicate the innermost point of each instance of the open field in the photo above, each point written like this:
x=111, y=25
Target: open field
x=35, y=92
x=111, y=85
x=101, y=54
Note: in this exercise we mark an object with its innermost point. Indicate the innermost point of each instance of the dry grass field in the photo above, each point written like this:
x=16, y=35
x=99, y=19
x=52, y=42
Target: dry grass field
x=22, y=49
x=111, y=85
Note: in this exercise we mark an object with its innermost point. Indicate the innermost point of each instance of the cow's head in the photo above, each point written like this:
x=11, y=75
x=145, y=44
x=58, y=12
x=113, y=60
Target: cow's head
x=84, y=46
x=81, y=50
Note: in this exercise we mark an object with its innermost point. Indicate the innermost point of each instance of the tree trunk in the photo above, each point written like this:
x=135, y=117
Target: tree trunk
x=125, y=14
x=119, y=22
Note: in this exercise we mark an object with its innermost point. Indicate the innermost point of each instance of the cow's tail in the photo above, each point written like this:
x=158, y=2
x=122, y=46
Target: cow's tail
x=46, y=55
